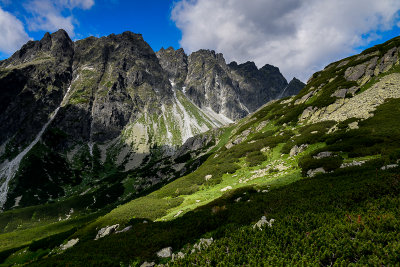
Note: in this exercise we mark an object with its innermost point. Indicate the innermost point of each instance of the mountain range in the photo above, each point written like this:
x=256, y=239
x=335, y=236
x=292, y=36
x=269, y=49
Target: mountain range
x=116, y=97
x=113, y=154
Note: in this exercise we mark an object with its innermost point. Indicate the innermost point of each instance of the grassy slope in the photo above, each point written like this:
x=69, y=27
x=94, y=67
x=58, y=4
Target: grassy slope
x=355, y=205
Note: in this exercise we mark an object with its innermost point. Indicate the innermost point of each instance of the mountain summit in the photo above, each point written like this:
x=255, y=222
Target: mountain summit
x=233, y=90
x=112, y=99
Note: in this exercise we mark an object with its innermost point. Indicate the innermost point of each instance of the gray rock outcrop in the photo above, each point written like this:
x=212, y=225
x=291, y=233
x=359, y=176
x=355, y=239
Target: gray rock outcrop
x=323, y=154
x=313, y=172
x=165, y=252
x=297, y=149
x=233, y=90
x=69, y=244
x=106, y=231
x=175, y=63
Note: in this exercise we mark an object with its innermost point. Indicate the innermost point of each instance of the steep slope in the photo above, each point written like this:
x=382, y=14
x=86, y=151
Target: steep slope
x=71, y=108
x=320, y=184
x=293, y=88
x=33, y=82
x=68, y=107
x=258, y=86
x=231, y=90
x=175, y=63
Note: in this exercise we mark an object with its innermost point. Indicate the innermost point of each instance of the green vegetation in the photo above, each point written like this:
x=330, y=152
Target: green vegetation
x=23, y=237
x=329, y=163
x=309, y=134
x=255, y=158
x=354, y=222
x=353, y=207
x=379, y=134
x=83, y=88
x=346, y=216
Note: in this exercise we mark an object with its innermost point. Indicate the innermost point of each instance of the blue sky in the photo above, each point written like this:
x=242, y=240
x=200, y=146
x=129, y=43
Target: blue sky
x=150, y=18
x=298, y=36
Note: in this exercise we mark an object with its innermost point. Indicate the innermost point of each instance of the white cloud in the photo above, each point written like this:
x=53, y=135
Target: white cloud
x=12, y=33
x=298, y=36
x=84, y=4
x=49, y=15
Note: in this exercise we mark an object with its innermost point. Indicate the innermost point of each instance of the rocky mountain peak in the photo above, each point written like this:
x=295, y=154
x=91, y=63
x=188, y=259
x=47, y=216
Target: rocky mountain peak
x=293, y=88
x=56, y=46
x=248, y=66
x=174, y=62
x=61, y=44
x=207, y=54
x=233, y=90
x=270, y=69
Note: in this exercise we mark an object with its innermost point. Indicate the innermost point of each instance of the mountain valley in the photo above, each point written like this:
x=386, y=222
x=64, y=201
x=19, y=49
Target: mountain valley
x=115, y=155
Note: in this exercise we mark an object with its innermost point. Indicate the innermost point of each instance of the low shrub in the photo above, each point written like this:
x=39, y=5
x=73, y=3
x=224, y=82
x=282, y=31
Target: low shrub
x=307, y=163
x=51, y=241
x=255, y=158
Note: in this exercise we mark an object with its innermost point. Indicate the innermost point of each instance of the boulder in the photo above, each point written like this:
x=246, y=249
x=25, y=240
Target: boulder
x=388, y=60
x=226, y=188
x=178, y=213
x=126, y=229
x=390, y=166
x=106, y=231
x=165, y=252
x=304, y=98
x=356, y=72
x=341, y=93
x=265, y=149
x=312, y=173
x=324, y=154
x=203, y=243
x=69, y=244
x=262, y=222
x=353, y=125
x=307, y=113
x=353, y=90
x=351, y=164
x=297, y=149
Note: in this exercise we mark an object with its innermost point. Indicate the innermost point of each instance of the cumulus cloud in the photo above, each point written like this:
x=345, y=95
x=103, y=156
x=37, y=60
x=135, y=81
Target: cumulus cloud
x=12, y=32
x=298, y=36
x=48, y=15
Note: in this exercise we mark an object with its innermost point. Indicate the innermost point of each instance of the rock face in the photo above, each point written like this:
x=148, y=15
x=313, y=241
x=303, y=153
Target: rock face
x=33, y=82
x=116, y=97
x=257, y=86
x=233, y=90
x=208, y=85
x=293, y=88
x=175, y=63
x=116, y=78
x=117, y=101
